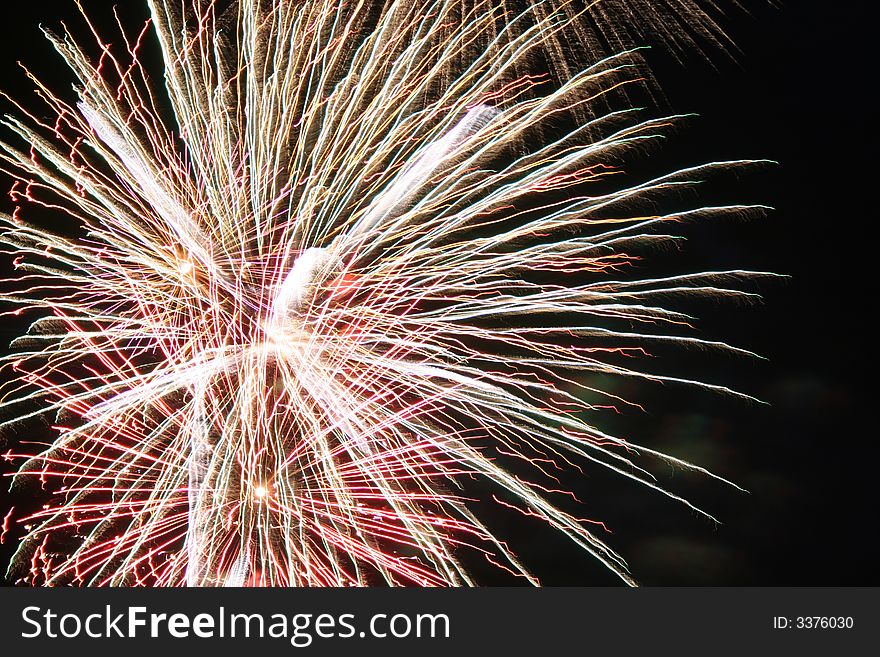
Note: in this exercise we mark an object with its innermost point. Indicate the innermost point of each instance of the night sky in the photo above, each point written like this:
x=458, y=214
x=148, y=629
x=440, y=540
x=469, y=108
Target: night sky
x=800, y=93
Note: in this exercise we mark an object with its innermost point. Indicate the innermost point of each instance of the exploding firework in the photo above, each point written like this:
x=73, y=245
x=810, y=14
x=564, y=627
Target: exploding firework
x=281, y=332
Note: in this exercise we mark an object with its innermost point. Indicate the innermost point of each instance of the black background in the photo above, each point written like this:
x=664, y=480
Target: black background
x=801, y=92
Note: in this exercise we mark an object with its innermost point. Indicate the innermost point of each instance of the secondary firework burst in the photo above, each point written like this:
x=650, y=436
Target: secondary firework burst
x=277, y=332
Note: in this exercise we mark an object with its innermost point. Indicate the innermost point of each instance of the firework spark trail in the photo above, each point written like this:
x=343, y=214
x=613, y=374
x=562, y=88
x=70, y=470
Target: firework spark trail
x=277, y=346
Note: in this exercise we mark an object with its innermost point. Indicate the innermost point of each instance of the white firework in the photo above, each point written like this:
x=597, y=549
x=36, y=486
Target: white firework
x=280, y=332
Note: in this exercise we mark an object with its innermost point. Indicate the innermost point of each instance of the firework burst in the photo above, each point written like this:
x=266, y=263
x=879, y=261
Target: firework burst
x=277, y=338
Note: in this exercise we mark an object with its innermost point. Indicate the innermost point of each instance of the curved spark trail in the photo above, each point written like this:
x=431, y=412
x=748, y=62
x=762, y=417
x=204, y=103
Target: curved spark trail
x=374, y=256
